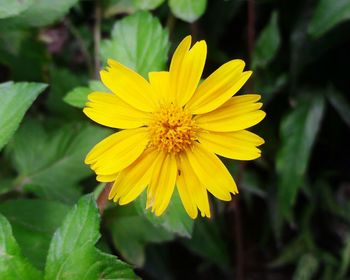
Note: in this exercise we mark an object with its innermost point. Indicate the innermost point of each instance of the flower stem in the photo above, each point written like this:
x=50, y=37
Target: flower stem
x=251, y=27
x=237, y=223
x=97, y=38
x=237, y=227
x=170, y=24
x=102, y=199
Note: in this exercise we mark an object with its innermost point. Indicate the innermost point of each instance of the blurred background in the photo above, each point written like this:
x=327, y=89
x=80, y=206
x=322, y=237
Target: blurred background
x=291, y=219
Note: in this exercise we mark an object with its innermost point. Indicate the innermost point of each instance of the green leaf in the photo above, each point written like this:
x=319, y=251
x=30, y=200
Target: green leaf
x=24, y=55
x=13, y=265
x=208, y=242
x=132, y=239
x=188, y=10
x=298, y=133
x=72, y=253
x=291, y=252
x=97, y=86
x=340, y=104
x=62, y=81
x=77, y=97
x=77, y=235
x=34, y=221
x=52, y=163
x=147, y=4
x=307, y=268
x=11, y=8
x=10, y=43
x=139, y=42
x=345, y=260
x=327, y=15
x=15, y=99
x=269, y=84
x=115, y=7
x=267, y=44
x=175, y=219
x=5, y=185
x=109, y=267
x=40, y=13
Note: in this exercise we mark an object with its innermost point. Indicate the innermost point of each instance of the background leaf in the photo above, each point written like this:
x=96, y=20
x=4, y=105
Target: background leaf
x=345, y=259
x=62, y=81
x=40, y=13
x=109, y=267
x=12, y=265
x=138, y=41
x=208, y=232
x=34, y=221
x=52, y=162
x=10, y=8
x=298, y=133
x=72, y=254
x=77, y=97
x=131, y=240
x=328, y=14
x=306, y=268
x=77, y=235
x=188, y=10
x=147, y=4
x=293, y=200
x=114, y=7
x=174, y=220
x=15, y=99
x=340, y=103
x=267, y=43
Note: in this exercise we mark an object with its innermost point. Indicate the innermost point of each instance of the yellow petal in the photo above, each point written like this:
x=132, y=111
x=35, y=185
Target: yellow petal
x=186, y=70
x=180, y=52
x=153, y=187
x=239, y=145
x=239, y=113
x=117, y=151
x=109, y=110
x=183, y=186
x=106, y=178
x=211, y=172
x=128, y=86
x=161, y=85
x=186, y=198
x=134, y=179
x=192, y=192
x=219, y=87
x=162, y=183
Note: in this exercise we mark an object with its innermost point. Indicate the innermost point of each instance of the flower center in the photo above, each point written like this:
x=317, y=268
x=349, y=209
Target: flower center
x=172, y=129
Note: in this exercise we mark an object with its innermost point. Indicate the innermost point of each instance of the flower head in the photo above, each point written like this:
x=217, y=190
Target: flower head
x=171, y=130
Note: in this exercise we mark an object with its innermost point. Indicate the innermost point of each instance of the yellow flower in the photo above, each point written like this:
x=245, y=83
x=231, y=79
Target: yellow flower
x=171, y=129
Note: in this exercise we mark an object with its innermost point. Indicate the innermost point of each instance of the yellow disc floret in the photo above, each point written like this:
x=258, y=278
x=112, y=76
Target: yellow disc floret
x=172, y=129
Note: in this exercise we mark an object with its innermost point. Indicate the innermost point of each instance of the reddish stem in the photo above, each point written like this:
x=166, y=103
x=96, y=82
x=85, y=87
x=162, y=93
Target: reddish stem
x=251, y=26
x=103, y=197
x=238, y=229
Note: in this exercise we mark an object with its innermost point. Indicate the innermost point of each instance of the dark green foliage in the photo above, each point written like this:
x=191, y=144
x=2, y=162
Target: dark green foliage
x=139, y=42
x=12, y=264
x=19, y=96
x=33, y=222
x=72, y=254
x=291, y=219
x=298, y=133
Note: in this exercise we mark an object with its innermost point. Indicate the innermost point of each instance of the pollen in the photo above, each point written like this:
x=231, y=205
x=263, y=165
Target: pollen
x=172, y=129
